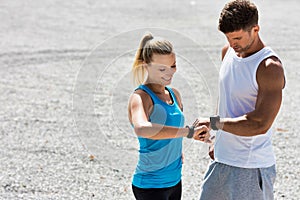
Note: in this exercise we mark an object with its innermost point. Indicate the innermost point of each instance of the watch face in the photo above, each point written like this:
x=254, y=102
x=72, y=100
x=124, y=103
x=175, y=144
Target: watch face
x=213, y=121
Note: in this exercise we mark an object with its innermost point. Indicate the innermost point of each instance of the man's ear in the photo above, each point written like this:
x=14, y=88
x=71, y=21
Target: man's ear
x=256, y=28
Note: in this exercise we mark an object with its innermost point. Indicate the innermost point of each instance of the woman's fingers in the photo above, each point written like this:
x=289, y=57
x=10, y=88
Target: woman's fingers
x=201, y=133
x=196, y=122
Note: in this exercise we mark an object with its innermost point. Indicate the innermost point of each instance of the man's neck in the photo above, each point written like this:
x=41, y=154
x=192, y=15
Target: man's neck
x=255, y=47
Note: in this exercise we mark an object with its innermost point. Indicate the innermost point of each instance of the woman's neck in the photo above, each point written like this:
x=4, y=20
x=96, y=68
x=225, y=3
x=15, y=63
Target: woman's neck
x=156, y=88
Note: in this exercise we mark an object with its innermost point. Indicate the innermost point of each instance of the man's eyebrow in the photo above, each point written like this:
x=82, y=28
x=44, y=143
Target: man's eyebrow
x=233, y=38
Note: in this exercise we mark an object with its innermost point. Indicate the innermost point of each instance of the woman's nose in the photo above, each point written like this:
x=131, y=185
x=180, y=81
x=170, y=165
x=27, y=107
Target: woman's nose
x=172, y=70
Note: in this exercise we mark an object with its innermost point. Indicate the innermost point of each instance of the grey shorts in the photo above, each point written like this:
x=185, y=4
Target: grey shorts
x=224, y=182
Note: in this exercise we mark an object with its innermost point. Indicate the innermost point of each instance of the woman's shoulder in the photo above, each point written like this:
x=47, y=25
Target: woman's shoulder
x=175, y=91
x=142, y=95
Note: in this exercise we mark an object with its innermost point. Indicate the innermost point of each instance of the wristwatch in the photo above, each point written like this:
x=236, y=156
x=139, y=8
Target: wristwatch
x=191, y=131
x=213, y=122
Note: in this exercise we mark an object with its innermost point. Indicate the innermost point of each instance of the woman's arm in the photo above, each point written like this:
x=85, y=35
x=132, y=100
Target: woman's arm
x=143, y=128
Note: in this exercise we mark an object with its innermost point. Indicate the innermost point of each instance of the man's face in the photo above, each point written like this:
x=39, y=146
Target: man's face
x=241, y=41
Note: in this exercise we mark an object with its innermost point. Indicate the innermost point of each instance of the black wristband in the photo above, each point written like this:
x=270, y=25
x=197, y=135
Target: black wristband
x=191, y=131
x=213, y=121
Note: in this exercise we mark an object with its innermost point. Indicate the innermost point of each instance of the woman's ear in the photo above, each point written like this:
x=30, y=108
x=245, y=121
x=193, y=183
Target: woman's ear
x=144, y=65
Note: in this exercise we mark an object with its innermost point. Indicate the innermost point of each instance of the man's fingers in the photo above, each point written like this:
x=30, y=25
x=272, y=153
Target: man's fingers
x=203, y=133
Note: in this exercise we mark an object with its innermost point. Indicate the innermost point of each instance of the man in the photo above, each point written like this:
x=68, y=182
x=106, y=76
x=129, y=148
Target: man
x=251, y=80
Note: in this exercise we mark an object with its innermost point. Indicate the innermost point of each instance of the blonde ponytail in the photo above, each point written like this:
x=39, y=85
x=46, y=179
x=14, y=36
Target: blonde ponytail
x=138, y=70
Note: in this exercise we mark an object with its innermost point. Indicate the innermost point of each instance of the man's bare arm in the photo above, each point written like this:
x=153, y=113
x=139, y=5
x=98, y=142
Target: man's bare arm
x=270, y=79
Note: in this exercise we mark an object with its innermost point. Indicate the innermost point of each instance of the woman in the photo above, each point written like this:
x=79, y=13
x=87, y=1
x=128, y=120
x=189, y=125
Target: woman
x=155, y=112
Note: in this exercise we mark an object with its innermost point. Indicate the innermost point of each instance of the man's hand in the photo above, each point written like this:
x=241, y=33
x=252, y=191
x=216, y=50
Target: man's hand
x=202, y=133
x=211, y=151
x=202, y=121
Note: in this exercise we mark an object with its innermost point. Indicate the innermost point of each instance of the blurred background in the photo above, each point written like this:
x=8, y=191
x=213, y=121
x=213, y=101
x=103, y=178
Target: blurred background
x=65, y=82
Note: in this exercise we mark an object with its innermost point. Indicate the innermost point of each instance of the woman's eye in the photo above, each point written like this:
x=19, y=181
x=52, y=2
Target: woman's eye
x=162, y=70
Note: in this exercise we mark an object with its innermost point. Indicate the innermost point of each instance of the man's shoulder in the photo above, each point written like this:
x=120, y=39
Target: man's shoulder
x=271, y=70
x=272, y=61
x=224, y=50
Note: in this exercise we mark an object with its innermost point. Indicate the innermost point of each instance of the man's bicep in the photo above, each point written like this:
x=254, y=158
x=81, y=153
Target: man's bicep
x=268, y=104
x=271, y=81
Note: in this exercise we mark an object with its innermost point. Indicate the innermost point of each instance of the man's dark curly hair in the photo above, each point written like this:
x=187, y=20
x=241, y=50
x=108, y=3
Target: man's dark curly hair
x=238, y=15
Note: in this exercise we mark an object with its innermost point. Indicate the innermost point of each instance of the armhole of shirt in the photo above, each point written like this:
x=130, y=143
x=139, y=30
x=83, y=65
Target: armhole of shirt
x=227, y=53
x=172, y=94
x=143, y=89
x=174, y=97
x=270, y=54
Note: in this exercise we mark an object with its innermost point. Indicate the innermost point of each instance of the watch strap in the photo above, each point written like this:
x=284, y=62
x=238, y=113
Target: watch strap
x=191, y=131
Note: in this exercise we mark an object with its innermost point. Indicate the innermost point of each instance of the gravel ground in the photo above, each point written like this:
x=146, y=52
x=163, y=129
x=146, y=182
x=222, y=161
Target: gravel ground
x=64, y=80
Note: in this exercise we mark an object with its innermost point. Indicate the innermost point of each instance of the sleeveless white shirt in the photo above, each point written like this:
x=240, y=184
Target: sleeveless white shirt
x=238, y=90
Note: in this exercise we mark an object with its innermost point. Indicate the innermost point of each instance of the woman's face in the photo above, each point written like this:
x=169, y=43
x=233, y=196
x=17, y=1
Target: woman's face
x=161, y=69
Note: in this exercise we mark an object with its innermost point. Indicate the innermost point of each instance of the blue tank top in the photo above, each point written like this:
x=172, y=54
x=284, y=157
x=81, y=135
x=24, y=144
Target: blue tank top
x=160, y=161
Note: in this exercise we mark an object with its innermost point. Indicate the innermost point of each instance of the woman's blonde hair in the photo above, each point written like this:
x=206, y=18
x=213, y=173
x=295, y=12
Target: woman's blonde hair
x=148, y=46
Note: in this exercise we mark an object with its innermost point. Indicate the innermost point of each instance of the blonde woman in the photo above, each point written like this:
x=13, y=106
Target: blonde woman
x=155, y=112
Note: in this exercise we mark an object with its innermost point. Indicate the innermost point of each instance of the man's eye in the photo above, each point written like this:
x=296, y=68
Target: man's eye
x=173, y=66
x=162, y=70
